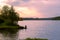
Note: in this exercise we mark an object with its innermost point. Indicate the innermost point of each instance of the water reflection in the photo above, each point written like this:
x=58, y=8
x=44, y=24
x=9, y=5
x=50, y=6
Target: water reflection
x=8, y=34
x=40, y=29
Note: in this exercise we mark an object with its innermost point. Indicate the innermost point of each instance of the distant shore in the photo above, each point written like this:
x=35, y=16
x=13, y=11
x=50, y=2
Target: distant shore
x=52, y=18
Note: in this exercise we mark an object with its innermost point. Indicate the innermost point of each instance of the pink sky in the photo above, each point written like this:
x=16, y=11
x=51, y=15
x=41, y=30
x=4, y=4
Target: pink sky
x=34, y=8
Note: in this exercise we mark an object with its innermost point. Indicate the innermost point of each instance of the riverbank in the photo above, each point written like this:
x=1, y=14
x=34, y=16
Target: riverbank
x=15, y=27
x=36, y=39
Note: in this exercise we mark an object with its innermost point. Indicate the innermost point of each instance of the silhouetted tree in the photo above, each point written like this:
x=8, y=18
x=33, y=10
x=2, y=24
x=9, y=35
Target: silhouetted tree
x=5, y=11
x=13, y=16
x=9, y=15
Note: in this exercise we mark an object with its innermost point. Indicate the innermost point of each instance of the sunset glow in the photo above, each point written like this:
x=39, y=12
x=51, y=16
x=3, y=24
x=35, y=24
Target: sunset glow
x=34, y=8
x=28, y=12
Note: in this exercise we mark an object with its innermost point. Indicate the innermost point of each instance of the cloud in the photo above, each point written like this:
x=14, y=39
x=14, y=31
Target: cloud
x=28, y=12
x=26, y=0
x=47, y=8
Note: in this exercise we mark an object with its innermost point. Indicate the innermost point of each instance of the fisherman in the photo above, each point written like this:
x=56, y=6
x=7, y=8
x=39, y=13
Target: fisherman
x=25, y=26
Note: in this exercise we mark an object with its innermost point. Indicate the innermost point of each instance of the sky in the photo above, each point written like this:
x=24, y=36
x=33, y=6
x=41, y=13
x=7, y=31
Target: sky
x=34, y=8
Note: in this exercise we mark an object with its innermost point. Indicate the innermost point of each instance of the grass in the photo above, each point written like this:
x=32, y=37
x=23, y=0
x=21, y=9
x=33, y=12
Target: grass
x=5, y=25
x=35, y=39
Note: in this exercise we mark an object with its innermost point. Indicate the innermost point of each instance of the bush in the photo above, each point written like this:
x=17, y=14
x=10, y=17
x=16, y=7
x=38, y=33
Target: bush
x=35, y=39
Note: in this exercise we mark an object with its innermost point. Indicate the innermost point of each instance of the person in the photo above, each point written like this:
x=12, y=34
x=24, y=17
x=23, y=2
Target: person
x=25, y=26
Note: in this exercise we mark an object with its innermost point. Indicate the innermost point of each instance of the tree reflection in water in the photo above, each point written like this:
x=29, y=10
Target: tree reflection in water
x=8, y=34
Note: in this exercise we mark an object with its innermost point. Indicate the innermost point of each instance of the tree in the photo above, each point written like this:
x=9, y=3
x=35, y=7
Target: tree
x=9, y=15
x=4, y=12
x=13, y=16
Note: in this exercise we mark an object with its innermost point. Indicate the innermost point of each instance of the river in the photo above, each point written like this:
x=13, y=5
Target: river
x=40, y=29
x=35, y=29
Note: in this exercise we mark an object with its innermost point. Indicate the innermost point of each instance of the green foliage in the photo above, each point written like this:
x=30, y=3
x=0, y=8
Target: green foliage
x=35, y=39
x=13, y=15
x=57, y=18
x=1, y=21
x=9, y=15
x=4, y=12
x=9, y=18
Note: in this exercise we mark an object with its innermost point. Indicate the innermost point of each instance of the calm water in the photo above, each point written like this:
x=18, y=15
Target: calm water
x=35, y=29
x=40, y=29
